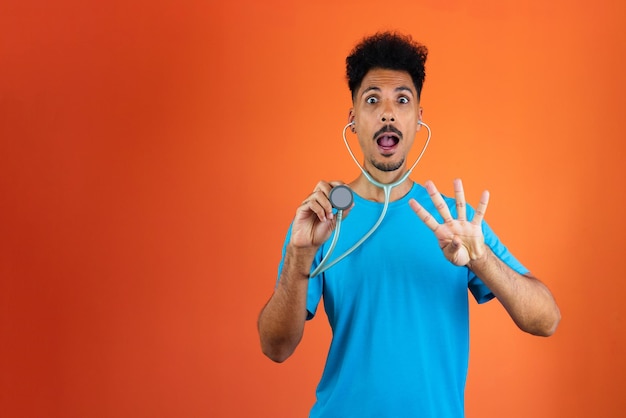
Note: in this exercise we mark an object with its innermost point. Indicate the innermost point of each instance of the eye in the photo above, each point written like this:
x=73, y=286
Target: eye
x=403, y=100
x=371, y=100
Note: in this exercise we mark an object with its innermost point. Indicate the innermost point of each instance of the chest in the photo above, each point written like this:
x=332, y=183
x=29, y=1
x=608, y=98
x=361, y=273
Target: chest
x=399, y=267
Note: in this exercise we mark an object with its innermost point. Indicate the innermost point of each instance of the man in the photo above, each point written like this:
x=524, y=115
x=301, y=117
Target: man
x=398, y=305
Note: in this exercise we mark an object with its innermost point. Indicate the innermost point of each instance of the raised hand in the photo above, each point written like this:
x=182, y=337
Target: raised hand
x=314, y=221
x=461, y=240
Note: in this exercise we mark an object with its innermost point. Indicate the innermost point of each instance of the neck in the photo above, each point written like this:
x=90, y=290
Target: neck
x=367, y=190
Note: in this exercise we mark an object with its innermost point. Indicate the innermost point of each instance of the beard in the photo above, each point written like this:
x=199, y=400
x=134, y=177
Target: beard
x=382, y=166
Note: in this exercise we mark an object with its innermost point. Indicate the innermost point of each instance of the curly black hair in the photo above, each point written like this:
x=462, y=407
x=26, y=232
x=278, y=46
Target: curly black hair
x=390, y=51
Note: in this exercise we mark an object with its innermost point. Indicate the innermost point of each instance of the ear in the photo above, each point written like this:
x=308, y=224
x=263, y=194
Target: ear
x=351, y=119
x=419, y=117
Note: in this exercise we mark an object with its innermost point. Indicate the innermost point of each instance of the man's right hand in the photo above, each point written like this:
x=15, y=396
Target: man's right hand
x=314, y=221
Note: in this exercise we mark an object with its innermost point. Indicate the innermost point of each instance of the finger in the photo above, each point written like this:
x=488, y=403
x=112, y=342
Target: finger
x=459, y=196
x=456, y=252
x=438, y=201
x=322, y=187
x=424, y=215
x=336, y=183
x=311, y=204
x=320, y=195
x=481, y=208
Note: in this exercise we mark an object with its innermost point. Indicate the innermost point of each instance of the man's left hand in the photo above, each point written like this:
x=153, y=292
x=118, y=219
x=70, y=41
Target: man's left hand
x=461, y=240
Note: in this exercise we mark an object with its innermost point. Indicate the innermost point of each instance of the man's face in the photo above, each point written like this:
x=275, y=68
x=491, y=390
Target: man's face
x=386, y=114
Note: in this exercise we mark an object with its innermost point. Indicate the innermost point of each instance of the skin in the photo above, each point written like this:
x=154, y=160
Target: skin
x=385, y=98
x=388, y=98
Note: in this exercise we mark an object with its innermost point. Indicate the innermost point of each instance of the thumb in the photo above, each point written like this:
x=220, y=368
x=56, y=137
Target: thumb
x=456, y=252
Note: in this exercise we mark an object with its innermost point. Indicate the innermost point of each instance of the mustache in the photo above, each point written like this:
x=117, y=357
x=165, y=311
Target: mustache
x=388, y=128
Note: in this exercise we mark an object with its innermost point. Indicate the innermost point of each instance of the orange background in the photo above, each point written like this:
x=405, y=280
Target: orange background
x=153, y=153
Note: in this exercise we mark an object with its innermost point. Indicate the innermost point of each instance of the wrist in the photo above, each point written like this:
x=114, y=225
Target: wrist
x=299, y=259
x=479, y=258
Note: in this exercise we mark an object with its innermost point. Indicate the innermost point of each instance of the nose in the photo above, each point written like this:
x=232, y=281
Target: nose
x=387, y=115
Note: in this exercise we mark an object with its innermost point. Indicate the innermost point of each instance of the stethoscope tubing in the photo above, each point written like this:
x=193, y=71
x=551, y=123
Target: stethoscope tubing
x=324, y=264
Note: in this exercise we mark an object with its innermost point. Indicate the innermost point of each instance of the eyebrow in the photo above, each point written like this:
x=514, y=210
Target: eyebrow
x=397, y=89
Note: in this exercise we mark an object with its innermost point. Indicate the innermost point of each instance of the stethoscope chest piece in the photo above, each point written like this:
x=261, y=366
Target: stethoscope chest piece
x=341, y=197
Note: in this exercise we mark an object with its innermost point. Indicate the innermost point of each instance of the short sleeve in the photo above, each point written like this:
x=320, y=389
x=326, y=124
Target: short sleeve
x=478, y=289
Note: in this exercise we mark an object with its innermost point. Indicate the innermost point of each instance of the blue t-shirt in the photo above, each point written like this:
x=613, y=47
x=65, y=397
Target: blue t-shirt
x=399, y=315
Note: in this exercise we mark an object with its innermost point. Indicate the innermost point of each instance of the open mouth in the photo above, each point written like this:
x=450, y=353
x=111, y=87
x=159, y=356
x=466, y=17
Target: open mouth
x=387, y=141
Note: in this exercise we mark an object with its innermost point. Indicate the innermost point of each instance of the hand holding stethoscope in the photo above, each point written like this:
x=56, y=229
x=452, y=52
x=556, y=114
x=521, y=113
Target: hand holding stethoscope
x=315, y=221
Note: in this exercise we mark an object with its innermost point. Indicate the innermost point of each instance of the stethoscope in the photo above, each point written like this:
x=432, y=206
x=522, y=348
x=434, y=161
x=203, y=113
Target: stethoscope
x=341, y=198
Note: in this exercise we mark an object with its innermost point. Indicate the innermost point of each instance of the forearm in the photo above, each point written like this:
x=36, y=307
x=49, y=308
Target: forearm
x=528, y=301
x=281, y=322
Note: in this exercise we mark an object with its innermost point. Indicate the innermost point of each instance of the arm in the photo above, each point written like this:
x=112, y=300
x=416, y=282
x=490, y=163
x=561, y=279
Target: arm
x=281, y=322
x=528, y=301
